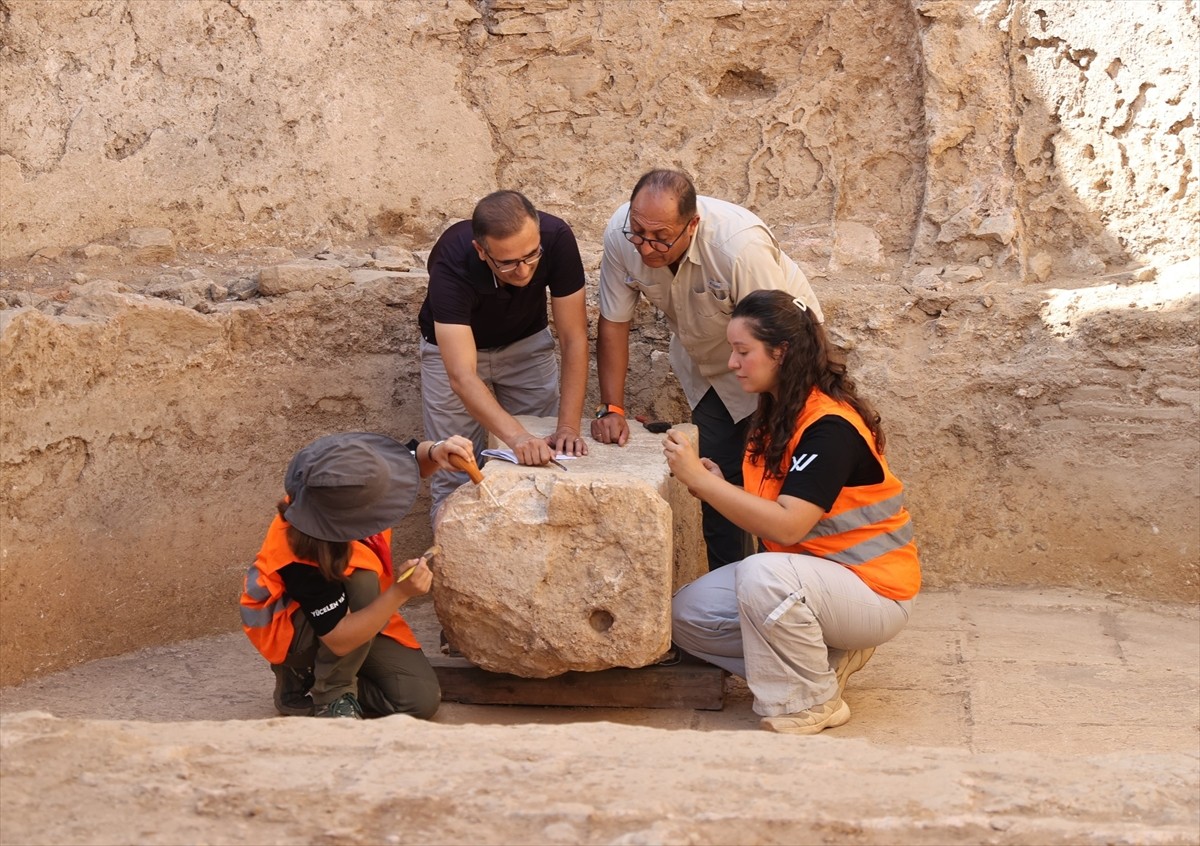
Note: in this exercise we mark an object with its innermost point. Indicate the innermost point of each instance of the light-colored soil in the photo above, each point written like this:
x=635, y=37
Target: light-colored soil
x=1008, y=717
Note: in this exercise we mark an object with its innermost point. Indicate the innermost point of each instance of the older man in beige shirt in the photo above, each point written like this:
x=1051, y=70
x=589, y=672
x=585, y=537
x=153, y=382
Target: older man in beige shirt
x=693, y=258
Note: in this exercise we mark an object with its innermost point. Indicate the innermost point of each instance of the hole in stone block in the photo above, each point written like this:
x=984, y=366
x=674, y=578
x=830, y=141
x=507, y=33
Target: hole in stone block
x=601, y=620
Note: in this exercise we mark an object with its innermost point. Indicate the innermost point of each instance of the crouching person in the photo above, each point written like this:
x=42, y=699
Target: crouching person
x=321, y=600
x=841, y=568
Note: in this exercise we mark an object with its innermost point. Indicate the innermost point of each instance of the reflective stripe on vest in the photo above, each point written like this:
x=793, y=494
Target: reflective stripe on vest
x=267, y=610
x=873, y=537
x=858, y=518
x=259, y=616
x=874, y=547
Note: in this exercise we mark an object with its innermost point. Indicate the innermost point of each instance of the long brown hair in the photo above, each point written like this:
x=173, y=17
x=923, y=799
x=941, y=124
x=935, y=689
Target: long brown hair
x=331, y=556
x=808, y=361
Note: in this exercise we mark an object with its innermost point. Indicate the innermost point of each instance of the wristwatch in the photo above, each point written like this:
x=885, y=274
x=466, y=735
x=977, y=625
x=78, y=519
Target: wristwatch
x=607, y=408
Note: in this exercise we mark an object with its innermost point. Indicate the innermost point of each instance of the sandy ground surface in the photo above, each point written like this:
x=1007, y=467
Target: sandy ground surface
x=997, y=716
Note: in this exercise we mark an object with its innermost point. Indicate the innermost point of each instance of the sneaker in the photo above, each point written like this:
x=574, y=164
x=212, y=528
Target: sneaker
x=291, y=691
x=669, y=658
x=830, y=714
x=850, y=664
x=344, y=706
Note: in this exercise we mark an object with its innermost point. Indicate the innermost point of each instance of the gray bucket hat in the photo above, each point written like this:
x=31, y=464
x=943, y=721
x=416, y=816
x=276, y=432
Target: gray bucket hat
x=350, y=486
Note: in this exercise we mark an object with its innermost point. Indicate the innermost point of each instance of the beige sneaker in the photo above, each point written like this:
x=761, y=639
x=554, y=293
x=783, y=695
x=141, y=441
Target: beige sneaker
x=831, y=714
x=850, y=664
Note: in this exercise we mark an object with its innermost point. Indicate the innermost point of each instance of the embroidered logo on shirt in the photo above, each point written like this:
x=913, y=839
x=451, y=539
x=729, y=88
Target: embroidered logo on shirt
x=719, y=288
x=801, y=462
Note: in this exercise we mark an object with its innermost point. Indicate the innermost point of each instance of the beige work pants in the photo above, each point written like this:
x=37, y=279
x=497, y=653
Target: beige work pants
x=782, y=622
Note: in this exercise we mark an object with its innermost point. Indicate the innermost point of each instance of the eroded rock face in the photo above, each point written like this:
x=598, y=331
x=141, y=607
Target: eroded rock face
x=567, y=570
x=995, y=203
x=302, y=275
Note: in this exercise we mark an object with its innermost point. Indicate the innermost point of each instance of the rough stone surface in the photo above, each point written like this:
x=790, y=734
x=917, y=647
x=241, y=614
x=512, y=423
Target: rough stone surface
x=1043, y=416
x=1073, y=123
x=395, y=258
x=995, y=717
x=574, y=569
x=302, y=275
x=151, y=244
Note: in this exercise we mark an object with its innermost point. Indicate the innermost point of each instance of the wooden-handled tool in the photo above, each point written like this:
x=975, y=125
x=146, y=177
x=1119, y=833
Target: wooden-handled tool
x=426, y=556
x=472, y=470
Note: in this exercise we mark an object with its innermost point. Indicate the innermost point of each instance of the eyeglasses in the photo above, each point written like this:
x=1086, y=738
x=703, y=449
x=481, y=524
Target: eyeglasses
x=509, y=266
x=655, y=244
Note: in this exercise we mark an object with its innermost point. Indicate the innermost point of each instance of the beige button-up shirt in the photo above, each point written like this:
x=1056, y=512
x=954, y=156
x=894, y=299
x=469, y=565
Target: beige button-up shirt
x=731, y=254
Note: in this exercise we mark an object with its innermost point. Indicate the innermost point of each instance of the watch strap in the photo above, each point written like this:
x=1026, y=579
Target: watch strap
x=607, y=408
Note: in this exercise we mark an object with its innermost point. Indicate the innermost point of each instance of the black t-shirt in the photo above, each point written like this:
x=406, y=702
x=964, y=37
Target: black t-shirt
x=463, y=290
x=323, y=602
x=831, y=455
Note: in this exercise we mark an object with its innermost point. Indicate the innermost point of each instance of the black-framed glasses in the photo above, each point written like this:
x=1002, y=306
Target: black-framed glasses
x=655, y=244
x=509, y=266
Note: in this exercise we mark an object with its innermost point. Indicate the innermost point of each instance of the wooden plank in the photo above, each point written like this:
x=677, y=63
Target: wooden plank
x=687, y=684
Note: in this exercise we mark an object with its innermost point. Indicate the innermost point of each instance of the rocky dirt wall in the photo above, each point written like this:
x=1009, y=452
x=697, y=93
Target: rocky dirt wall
x=996, y=203
x=234, y=122
x=143, y=453
x=144, y=442
x=1041, y=135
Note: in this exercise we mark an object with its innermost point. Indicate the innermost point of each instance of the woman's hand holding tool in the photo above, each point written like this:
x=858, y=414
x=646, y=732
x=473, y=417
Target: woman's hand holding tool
x=418, y=574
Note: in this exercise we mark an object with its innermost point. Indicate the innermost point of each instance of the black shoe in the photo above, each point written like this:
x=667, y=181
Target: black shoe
x=344, y=706
x=291, y=690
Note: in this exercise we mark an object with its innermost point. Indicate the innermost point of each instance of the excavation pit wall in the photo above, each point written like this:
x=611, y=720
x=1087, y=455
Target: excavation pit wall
x=144, y=442
x=994, y=202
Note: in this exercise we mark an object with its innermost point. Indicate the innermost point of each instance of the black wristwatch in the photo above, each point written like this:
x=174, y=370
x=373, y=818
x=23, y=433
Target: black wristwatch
x=607, y=408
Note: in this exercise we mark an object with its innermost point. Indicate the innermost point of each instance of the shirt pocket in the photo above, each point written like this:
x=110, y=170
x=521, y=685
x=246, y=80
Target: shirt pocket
x=711, y=298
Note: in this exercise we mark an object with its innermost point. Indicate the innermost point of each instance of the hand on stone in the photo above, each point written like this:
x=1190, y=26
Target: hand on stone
x=566, y=441
x=532, y=450
x=611, y=429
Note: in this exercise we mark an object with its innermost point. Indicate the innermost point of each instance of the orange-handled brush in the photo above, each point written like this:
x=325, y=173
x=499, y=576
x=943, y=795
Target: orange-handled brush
x=472, y=470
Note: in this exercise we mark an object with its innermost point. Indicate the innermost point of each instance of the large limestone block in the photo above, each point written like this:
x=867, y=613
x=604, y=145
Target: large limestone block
x=567, y=570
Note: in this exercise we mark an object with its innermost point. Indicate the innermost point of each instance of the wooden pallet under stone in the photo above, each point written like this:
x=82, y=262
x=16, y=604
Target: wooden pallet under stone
x=690, y=683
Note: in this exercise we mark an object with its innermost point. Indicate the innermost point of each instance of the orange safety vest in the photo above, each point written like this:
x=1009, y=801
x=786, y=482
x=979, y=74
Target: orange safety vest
x=868, y=529
x=267, y=609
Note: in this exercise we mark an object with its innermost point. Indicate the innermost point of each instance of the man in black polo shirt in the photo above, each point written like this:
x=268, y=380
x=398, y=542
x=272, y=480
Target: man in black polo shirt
x=486, y=349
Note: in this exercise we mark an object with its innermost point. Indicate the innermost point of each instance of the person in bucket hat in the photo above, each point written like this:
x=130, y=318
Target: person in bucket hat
x=321, y=600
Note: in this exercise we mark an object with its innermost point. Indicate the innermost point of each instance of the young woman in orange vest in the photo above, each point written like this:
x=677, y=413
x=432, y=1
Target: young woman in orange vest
x=321, y=600
x=840, y=568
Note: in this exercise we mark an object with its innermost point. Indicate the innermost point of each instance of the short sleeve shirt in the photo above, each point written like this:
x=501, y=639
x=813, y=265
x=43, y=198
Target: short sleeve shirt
x=732, y=253
x=831, y=455
x=464, y=291
x=322, y=601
